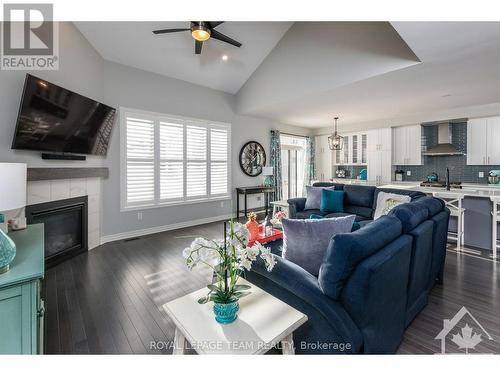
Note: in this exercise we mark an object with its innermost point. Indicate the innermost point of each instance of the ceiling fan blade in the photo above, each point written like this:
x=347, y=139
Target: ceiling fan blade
x=197, y=47
x=215, y=24
x=219, y=36
x=166, y=31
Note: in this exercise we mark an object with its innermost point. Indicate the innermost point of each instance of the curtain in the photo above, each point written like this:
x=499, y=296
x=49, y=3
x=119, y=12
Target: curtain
x=310, y=164
x=276, y=164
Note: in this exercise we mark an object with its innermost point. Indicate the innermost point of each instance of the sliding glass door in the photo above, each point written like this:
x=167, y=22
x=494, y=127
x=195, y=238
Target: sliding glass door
x=293, y=161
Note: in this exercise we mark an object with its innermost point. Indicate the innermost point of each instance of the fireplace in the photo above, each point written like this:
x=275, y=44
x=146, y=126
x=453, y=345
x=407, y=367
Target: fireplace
x=66, y=227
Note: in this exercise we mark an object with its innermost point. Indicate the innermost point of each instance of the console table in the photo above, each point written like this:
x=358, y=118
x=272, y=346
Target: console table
x=21, y=307
x=266, y=190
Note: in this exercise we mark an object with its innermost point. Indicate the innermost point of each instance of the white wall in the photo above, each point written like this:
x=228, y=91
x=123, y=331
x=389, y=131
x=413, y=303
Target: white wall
x=84, y=71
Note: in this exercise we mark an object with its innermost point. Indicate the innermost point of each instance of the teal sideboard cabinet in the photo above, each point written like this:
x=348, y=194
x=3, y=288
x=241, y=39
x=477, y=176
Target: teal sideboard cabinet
x=21, y=307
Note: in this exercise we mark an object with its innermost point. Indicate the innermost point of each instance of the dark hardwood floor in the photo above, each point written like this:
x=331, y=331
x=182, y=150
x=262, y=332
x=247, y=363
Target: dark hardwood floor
x=110, y=299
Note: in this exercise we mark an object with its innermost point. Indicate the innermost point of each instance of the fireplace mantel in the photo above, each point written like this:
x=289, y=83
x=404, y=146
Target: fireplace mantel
x=41, y=174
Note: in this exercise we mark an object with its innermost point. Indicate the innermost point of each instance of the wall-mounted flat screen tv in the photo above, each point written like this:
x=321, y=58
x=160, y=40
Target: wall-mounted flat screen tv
x=52, y=118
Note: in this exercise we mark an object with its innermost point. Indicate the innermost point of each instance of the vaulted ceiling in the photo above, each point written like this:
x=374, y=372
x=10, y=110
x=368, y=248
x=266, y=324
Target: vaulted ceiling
x=307, y=72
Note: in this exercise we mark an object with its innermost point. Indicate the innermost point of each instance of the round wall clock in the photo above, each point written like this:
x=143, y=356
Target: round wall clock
x=252, y=158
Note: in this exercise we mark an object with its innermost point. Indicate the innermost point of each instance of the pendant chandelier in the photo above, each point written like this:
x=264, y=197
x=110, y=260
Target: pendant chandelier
x=335, y=141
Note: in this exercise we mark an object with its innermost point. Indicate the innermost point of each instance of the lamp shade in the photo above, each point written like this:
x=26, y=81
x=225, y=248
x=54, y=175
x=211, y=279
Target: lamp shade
x=12, y=186
x=267, y=171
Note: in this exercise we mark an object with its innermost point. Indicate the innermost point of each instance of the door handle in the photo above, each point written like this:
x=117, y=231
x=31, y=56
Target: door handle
x=488, y=160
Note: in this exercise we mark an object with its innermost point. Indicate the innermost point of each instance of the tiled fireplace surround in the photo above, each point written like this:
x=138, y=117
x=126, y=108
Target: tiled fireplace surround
x=54, y=190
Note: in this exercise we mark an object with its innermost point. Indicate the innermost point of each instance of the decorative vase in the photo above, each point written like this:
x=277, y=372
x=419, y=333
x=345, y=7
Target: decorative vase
x=253, y=226
x=7, y=251
x=225, y=313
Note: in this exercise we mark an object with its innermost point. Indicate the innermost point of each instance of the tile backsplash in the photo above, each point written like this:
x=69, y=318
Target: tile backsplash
x=459, y=170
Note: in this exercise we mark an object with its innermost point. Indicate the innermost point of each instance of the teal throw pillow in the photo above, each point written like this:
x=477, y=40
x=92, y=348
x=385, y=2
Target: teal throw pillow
x=332, y=201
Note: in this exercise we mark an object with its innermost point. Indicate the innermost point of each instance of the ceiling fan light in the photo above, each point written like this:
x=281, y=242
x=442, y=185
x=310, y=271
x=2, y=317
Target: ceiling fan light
x=200, y=33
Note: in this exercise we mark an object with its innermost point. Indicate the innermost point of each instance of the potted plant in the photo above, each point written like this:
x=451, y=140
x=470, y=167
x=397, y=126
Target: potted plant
x=228, y=259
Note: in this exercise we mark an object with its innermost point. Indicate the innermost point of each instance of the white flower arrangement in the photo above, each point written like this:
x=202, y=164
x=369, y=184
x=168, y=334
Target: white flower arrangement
x=228, y=259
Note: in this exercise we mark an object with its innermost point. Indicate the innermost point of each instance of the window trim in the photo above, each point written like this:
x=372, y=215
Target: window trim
x=158, y=203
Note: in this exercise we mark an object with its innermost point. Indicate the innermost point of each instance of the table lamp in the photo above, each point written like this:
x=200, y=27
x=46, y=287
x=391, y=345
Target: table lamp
x=268, y=172
x=12, y=197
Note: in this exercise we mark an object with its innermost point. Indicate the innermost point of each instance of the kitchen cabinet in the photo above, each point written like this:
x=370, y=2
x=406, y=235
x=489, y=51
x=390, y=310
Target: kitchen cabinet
x=21, y=307
x=353, y=150
x=407, y=145
x=482, y=141
x=378, y=156
x=324, y=158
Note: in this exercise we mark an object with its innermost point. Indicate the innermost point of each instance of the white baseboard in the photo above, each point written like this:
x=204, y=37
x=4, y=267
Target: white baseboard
x=162, y=228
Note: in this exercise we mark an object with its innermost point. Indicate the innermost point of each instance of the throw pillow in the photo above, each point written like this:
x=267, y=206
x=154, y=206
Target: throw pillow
x=313, y=199
x=332, y=201
x=305, y=241
x=387, y=201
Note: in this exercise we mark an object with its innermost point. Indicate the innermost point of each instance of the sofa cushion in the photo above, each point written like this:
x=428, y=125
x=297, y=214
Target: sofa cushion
x=306, y=214
x=434, y=205
x=346, y=251
x=342, y=214
x=305, y=241
x=313, y=200
x=359, y=195
x=329, y=184
x=332, y=200
x=410, y=215
x=387, y=201
x=413, y=194
x=365, y=213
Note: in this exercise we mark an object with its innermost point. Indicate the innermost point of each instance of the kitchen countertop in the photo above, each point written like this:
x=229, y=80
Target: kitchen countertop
x=468, y=189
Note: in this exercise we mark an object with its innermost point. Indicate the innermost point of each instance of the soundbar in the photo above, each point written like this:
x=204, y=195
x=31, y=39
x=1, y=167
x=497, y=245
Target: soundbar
x=46, y=156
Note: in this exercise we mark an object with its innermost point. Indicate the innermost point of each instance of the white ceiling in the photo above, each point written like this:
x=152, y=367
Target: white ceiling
x=134, y=44
x=460, y=67
x=305, y=74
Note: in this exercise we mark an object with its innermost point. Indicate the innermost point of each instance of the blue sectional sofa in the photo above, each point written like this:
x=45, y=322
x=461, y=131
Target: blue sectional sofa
x=372, y=283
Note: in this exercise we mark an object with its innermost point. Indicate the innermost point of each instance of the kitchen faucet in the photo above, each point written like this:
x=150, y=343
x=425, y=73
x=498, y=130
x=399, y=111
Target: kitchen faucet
x=448, y=179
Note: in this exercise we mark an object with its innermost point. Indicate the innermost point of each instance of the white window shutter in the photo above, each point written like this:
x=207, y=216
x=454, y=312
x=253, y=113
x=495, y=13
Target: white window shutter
x=196, y=160
x=171, y=160
x=219, y=138
x=140, y=185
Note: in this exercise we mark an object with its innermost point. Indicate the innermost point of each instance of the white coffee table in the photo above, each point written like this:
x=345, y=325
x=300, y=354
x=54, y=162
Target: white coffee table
x=263, y=322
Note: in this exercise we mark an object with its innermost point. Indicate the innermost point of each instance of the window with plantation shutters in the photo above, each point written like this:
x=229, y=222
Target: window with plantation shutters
x=171, y=160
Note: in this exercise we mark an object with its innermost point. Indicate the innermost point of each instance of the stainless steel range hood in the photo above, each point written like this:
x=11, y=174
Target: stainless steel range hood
x=444, y=147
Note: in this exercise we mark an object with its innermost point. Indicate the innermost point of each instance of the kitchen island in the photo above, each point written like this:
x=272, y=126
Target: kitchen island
x=478, y=202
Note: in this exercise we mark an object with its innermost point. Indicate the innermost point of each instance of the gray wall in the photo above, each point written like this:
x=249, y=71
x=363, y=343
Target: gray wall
x=80, y=69
x=84, y=71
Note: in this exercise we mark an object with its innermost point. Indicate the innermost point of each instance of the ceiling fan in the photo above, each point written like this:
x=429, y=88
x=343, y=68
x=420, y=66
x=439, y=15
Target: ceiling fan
x=201, y=31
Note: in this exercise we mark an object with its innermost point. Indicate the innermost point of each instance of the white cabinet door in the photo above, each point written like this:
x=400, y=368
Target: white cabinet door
x=385, y=167
x=493, y=148
x=477, y=141
x=373, y=165
x=414, y=145
x=399, y=146
x=385, y=139
x=373, y=140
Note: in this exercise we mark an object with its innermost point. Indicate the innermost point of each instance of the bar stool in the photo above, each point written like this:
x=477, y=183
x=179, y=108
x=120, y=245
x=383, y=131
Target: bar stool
x=495, y=215
x=453, y=200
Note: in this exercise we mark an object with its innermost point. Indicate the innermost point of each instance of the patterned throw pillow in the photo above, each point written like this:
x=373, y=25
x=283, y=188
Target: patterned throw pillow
x=387, y=201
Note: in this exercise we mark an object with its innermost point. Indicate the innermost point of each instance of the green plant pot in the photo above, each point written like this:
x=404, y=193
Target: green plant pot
x=225, y=313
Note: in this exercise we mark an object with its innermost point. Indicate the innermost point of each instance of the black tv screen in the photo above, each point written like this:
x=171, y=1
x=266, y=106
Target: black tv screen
x=52, y=118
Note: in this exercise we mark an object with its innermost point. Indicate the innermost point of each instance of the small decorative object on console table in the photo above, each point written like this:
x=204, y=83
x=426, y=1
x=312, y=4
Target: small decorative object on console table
x=253, y=226
x=12, y=197
x=267, y=226
x=227, y=258
x=268, y=172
